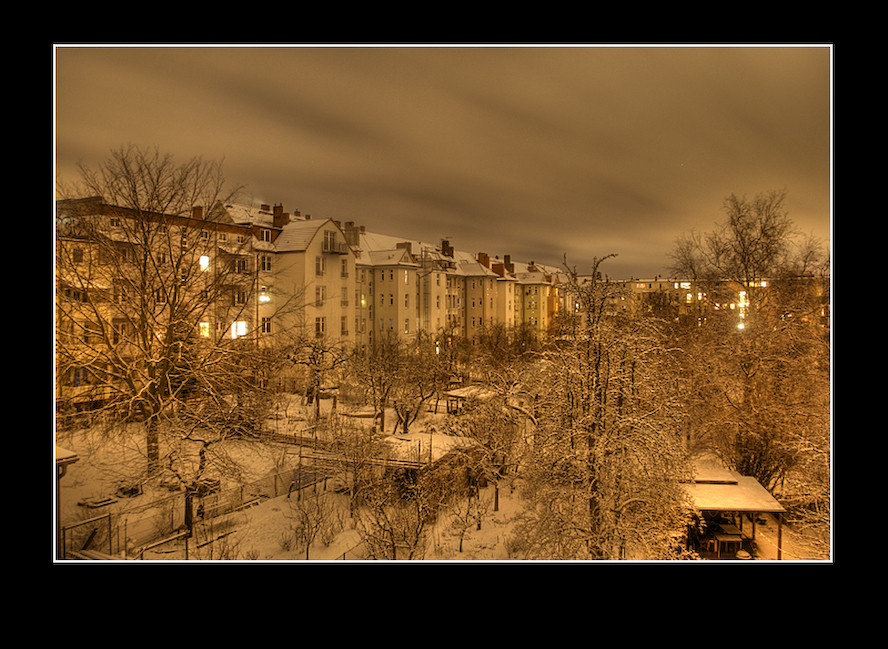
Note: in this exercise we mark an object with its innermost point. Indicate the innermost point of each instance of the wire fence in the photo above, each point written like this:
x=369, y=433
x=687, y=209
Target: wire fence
x=158, y=528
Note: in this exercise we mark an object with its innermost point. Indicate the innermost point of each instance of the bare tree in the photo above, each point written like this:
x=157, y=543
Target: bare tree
x=420, y=375
x=604, y=473
x=374, y=371
x=760, y=392
x=466, y=511
x=320, y=358
x=357, y=452
x=396, y=515
x=307, y=518
x=153, y=292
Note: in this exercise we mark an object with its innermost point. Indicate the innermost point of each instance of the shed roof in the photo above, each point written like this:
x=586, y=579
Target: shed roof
x=744, y=495
x=716, y=488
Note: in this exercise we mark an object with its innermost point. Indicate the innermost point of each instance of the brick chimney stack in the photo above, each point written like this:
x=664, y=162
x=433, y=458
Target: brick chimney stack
x=197, y=211
x=279, y=217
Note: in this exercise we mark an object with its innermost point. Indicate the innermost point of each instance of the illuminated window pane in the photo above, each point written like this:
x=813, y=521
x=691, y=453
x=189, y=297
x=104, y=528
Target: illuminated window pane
x=204, y=262
x=205, y=329
x=238, y=329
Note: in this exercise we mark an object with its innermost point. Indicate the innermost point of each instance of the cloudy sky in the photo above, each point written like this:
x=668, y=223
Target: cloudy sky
x=531, y=151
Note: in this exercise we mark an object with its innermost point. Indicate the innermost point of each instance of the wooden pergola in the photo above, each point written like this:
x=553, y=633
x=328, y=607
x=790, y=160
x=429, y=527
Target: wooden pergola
x=716, y=489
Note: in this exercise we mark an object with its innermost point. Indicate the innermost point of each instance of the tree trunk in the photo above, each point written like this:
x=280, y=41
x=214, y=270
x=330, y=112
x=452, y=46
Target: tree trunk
x=152, y=442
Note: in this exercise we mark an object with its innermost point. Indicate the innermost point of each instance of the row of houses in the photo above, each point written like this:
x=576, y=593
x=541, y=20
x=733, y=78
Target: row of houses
x=265, y=274
x=291, y=272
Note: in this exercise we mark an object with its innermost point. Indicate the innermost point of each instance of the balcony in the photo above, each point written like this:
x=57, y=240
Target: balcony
x=334, y=247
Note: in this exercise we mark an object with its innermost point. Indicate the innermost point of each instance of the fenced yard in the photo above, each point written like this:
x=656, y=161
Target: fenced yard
x=154, y=529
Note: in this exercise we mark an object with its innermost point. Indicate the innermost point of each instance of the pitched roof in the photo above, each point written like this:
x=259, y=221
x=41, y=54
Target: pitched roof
x=395, y=257
x=297, y=235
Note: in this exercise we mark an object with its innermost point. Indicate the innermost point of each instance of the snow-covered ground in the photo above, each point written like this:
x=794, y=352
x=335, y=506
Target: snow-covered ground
x=263, y=532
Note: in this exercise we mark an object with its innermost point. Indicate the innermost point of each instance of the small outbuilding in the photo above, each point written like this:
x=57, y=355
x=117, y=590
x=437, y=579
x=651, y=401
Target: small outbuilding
x=458, y=396
x=725, y=498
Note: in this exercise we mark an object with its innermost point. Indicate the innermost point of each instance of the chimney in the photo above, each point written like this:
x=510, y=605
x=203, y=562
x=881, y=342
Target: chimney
x=280, y=218
x=446, y=249
x=499, y=268
x=352, y=234
x=507, y=262
x=484, y=259
x=265, y=207
x=197, y=211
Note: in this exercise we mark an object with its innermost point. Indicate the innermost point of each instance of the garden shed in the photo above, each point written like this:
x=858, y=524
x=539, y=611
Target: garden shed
x=721, y=493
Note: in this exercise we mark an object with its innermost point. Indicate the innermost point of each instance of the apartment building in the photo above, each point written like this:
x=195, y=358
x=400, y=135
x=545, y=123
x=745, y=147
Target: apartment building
x=127, y=283
x=409, y=286
x=263, y=276
x=257, y=276
x=305, y=275
x=538, y=296
x=694, y=302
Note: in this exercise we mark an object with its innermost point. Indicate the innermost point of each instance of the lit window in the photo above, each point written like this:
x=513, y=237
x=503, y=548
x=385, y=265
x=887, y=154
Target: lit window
x=238, y=329
x=204, y=262
x=204, y=329
x=264, y=296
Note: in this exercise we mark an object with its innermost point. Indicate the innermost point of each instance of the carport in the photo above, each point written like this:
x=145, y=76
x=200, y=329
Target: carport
x=720, y=491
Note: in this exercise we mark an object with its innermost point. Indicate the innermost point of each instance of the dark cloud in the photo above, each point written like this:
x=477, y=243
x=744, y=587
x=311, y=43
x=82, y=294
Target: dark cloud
x=533, y=152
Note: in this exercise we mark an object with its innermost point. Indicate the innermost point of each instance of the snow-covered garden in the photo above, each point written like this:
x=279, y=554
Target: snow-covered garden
x=264, y=530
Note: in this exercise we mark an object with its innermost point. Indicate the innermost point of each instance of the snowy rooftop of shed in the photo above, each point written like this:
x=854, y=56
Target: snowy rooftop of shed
x=716, y=488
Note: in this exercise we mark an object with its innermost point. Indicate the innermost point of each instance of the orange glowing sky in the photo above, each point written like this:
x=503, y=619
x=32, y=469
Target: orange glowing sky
x=531, y=151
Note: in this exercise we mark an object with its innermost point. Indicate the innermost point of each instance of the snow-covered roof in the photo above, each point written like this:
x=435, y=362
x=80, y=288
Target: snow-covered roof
x=462, y=262
x=246, y=215
x=471, y=391
x=370, y=241
x=297, y=235
x=533, y=273
x=394, y=257
x=65, y=456
x=716, y=488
